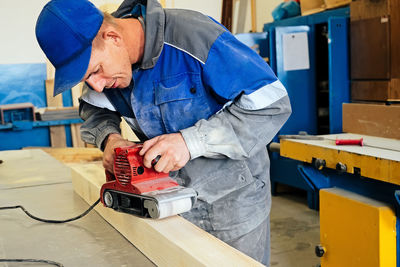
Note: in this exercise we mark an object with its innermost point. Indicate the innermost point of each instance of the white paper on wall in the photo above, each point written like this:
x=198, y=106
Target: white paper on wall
x=295, y=51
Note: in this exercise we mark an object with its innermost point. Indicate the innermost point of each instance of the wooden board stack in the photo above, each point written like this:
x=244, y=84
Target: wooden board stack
x=172, y=241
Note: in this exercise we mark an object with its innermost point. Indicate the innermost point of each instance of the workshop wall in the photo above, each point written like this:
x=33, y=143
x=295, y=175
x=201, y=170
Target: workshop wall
x=22, y=62
x=213, y=8
x=20, y=46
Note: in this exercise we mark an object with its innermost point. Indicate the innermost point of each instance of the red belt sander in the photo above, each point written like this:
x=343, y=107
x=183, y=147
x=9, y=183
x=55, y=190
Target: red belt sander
x=142, y=191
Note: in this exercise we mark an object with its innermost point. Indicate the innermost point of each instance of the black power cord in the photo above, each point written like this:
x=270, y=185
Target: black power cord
x=33, y=260
x=51, y=221
x=46, y=221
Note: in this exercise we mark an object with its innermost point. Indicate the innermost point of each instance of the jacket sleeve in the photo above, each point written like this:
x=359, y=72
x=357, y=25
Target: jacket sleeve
x=99, y=122
x=257, y=107
x=236, y=132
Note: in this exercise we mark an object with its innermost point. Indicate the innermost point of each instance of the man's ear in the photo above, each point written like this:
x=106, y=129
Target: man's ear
x=112, y=35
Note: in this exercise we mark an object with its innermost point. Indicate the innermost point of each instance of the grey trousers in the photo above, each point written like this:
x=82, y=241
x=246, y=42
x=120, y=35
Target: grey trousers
x=256, y=243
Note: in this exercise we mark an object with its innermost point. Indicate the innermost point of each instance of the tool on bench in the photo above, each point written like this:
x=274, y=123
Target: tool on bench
x=142, y=191
x=340, y=142
x=301, y=136
x=349, y=142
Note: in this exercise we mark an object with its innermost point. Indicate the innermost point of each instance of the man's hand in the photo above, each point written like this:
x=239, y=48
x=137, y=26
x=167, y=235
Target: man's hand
x=114, y=140
x=172, y=149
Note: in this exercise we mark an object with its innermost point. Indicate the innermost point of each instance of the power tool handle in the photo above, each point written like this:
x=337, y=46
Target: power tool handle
x=344, y=142
x=154, y=161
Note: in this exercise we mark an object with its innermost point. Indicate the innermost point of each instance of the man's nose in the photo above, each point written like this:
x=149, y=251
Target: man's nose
x=97, y=83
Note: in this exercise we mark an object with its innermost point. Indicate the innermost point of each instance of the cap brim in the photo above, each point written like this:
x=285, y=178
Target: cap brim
x=70, y=74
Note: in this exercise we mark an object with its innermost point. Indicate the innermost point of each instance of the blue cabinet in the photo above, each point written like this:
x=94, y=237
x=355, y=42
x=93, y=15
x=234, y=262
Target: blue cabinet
x=315, y=71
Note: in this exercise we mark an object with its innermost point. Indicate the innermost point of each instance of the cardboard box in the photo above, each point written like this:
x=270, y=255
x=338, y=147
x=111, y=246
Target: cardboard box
x=372, y=119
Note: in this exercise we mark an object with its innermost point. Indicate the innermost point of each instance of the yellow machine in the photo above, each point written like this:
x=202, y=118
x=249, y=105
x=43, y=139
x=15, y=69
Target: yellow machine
x=358, y=187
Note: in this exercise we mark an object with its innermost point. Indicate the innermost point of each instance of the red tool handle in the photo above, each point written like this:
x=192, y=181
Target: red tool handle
x=349, y=142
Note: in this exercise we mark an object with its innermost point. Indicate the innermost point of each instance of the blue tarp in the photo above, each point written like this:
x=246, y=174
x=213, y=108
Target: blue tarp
x=23, y=83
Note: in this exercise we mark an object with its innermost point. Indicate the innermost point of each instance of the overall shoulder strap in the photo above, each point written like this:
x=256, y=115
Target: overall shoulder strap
x=120, y=99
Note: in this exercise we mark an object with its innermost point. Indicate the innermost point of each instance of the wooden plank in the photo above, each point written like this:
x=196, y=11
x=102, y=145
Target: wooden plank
x=77, y=141
x=57, y=133
x=171, y=241
x=50, y=70
x=76, y=135
x=57, y=136
x=126, y=132
x=51, y=100
x=313, y=11
x=336, y=3
x=241, y=15
x=253, y=16
x=22, y=168
x=74, y=155
x=370, y=119
x=312, y=6
x=76, y=92
x=227, y=13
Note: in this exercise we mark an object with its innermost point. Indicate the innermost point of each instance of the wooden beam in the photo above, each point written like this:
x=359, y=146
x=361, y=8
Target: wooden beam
x=50, y=70
x=171, y=241
x=226, y=17
x=127, y=133
x=241, y=15
x=57, y=133
x=253, y=16
x=73, y=154
x=76, y=92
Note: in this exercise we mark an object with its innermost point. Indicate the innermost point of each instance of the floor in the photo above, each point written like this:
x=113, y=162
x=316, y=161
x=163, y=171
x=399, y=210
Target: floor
x=294, y=231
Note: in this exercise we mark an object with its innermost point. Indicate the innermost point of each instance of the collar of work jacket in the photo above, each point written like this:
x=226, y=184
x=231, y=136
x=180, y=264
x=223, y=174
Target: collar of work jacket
x=154, y=31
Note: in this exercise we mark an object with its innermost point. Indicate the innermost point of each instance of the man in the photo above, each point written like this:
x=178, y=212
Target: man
x=194, y=94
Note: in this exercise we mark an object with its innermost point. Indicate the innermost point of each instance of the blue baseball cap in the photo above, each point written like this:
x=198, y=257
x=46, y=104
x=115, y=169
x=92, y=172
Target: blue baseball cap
x=65, y=30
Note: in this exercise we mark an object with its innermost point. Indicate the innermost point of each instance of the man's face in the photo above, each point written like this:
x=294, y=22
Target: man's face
x=109, y=66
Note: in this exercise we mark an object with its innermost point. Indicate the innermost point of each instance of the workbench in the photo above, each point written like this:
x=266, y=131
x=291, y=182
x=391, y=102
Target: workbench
x=42, y=184
x=357, y=189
